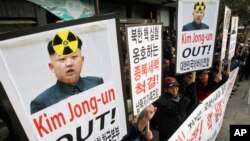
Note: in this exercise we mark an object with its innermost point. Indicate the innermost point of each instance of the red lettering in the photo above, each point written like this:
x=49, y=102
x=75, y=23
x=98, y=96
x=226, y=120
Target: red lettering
x=39, y=126
x=43, y=125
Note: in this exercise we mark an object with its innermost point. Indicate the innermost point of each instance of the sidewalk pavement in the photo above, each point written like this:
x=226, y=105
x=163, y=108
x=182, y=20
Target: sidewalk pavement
x=237, y=110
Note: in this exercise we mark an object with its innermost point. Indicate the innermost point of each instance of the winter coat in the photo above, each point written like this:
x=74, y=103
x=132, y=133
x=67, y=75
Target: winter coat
x=170, y=114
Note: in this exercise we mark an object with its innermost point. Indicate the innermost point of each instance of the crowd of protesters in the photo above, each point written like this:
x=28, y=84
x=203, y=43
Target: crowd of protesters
x=181, y=94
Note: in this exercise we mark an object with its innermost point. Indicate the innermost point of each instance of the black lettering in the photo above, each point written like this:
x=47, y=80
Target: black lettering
x=195, y=54
x=102, y=117
x=66, y=136
x=79, y=132
x=186, y=53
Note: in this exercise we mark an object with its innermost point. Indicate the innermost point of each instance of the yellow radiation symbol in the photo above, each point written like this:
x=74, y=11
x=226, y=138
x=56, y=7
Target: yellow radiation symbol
x=65, y=43
x=200, y=6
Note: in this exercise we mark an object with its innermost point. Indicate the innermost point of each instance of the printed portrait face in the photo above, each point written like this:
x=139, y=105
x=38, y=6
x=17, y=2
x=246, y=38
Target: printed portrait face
x=67, y=68
x=198, y=16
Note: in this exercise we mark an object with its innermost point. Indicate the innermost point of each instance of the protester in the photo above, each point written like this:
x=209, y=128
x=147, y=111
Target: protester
x=246, y=70
x=167, y=48
x=215, y=70
x=189, y=90
x=171, y=111
x=137, y=127
x=204, y=87
x=165, y=68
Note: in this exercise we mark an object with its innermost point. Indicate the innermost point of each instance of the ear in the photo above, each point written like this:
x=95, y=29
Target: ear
x=82, y=58
x=51, y=67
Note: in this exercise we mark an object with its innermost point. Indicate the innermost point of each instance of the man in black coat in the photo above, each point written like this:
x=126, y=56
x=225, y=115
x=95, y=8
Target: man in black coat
x=171, y=109
x=189, y=91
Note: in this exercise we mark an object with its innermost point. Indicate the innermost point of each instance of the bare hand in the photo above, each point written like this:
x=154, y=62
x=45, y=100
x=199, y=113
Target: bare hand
x=149, y=112
x=149, y=135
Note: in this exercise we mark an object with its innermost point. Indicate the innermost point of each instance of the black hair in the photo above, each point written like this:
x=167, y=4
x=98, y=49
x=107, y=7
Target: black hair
x=51, y=50
x=200, y=72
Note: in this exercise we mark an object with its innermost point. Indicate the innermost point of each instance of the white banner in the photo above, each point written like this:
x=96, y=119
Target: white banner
x=213, y=113
x=145, y=54
x=206, y=120
x=230, y=83
x=191, y=128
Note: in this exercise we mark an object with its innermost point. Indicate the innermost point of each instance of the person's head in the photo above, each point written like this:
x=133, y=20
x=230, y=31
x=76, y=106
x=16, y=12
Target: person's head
x=167, y=37
x=216, y=65
x=198, y=13
x=188, y=78
x=171, y=86
x=173, y=58
x=66, y=57
x=165, y=63
x=203, y=75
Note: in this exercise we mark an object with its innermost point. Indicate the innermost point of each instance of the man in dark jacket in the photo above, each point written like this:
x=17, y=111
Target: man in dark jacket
x=171, y=109
x=189, y=91
x=204, y=87
x=215, y=70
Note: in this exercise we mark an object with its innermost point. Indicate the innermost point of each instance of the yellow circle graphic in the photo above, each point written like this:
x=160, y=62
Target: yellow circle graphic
x=65, y=43
x=200, y=6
